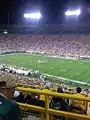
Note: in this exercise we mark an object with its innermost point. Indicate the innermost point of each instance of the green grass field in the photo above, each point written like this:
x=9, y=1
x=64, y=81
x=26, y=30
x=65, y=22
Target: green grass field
x=71, y=69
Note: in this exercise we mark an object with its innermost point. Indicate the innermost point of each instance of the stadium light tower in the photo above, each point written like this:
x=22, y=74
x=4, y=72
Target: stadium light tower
x=33, y=15
x=73, y=12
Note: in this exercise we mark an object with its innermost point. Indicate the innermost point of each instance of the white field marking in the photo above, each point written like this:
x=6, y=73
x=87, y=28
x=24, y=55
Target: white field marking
x=41, y=61
x=70, y=80
x=81, y=63
x=52, y=68
x=78, y=73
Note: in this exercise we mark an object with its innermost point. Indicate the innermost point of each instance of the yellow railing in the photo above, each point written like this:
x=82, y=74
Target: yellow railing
x=49, y=113
x=40, y=87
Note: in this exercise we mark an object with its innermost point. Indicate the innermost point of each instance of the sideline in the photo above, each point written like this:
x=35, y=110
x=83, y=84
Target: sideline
x=70, y=80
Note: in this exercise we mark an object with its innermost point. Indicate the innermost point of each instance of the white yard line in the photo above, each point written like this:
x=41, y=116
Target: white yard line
x=70, y=80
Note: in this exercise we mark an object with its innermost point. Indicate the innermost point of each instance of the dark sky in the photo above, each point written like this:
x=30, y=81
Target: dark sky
x=52, y=10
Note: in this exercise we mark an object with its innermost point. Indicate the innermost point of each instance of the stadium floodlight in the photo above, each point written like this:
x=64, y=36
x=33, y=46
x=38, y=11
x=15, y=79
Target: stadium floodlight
x=73, y=12
x=36, y=15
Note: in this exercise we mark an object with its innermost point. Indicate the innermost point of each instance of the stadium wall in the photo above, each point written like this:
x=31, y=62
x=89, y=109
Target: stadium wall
x=86, y=58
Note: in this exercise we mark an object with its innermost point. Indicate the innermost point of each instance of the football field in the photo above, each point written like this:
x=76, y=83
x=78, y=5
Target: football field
x=71, y=69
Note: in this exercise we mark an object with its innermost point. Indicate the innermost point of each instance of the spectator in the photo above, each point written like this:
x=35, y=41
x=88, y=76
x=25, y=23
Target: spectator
x=19, y=97
x=57, y=102
x=76, y=105
x=47, y=89
x=28, y=98
x=8, y=109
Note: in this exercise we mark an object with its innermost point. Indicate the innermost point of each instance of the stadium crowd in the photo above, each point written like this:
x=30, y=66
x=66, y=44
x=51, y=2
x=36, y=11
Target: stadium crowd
x=55, y=103
x=69, y=45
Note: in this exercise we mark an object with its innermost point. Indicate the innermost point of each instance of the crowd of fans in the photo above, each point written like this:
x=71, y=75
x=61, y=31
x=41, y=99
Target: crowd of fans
x=54, y=102
x=74, y=45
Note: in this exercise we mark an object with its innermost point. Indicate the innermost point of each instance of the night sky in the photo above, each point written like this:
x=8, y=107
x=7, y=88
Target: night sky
x=11, y=11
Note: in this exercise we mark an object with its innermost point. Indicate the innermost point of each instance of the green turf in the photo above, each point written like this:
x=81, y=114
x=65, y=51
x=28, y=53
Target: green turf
x=72, y=69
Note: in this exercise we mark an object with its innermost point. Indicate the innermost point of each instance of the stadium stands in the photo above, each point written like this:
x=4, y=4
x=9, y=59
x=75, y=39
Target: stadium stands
x=62, y=103
x=69, y=45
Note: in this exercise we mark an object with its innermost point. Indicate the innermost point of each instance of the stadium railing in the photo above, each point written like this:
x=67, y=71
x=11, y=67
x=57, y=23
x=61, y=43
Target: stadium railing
x=47, y=113
x=54, y=89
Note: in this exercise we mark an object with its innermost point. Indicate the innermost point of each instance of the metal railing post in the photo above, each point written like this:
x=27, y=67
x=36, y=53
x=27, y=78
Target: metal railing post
x=46, y=107
x=42, y=116
x=51, y=117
